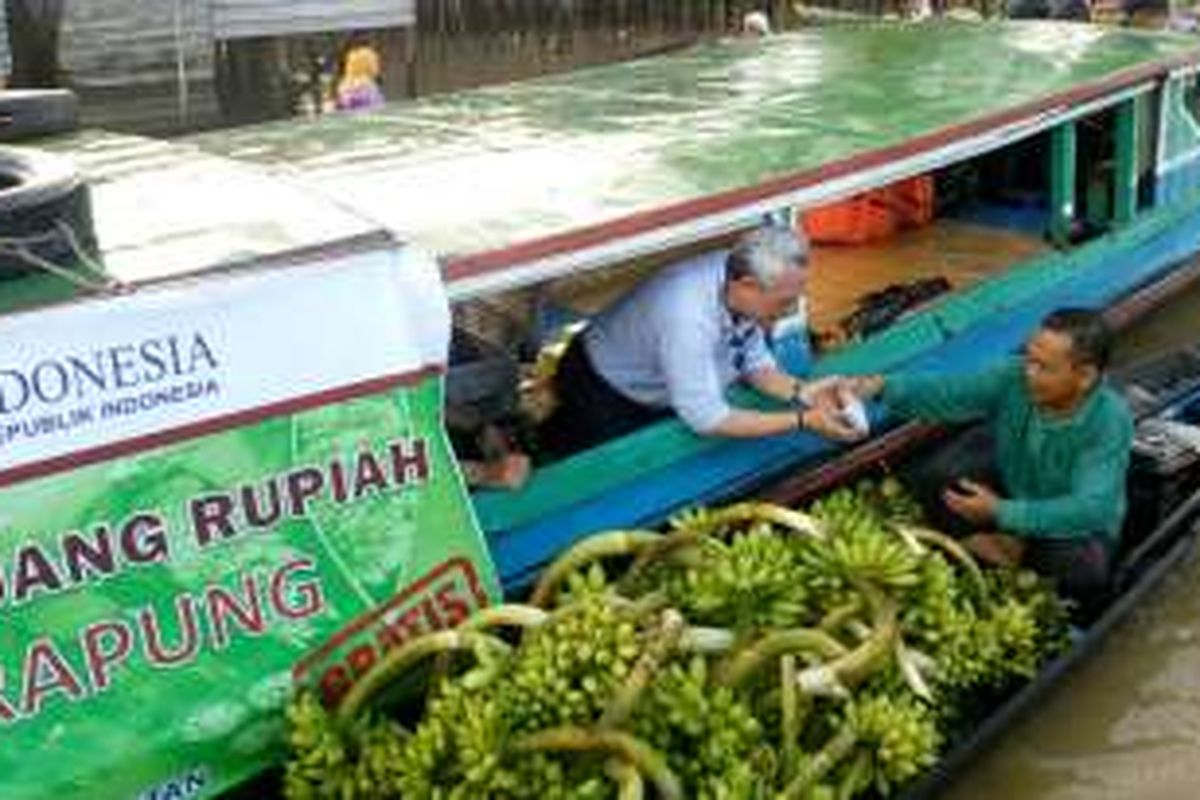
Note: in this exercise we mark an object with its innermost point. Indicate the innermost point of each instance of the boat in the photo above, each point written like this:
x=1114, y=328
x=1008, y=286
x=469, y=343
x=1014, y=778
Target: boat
x=529, y=190
x=1160, y=532
x=538, y=193
x=569, y=187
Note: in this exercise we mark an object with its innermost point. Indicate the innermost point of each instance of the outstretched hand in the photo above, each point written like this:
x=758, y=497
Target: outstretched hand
x=831, y=424
x=839, y=406
x=823, y=393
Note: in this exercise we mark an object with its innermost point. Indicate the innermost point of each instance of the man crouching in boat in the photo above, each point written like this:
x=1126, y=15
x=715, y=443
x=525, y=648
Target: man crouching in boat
x=678, y=341
x=1048, y=467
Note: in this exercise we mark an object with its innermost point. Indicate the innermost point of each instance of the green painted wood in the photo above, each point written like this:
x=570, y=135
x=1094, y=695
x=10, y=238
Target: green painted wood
x=1125, y=178
x=34, y=290
x=487, y=170
x=1062, y=183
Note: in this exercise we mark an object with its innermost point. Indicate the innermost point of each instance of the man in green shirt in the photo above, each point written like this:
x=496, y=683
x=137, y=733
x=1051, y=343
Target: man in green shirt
x=1060, y=440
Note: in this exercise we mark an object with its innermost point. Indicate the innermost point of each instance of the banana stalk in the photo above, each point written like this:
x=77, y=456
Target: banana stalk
x=835, y=619
x=851, y=668
x=910, y=671
x=648, y=761
x=707, y=641
x=630, y=785
x=956, y=551
x=740, y=665
x=857, y=777
x=832, y=754
x=590, y=550
x=790, y=700
x=662, y=644
x=510, y=615
x=398, y=661
x=711, y=522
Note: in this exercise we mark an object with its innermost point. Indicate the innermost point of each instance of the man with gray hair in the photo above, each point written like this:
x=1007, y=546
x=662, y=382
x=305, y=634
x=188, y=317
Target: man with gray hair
x=677, y=342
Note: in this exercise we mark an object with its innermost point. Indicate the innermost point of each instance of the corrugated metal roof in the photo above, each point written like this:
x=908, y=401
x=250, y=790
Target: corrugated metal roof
x=5, y=55
x=237, y=19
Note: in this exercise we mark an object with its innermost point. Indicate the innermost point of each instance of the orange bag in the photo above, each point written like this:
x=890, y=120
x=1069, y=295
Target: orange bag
x=873, y=215
x=911, y=201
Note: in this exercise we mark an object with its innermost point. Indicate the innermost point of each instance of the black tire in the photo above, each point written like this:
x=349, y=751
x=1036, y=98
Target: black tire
x=37, y=192
x=27, y=113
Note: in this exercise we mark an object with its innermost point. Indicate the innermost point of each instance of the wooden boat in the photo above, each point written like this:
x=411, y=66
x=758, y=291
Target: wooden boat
x=532, y=187
x=1160, y=532
x=525, y=189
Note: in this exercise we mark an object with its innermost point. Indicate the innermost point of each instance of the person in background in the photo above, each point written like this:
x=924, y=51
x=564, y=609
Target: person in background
x=358, y=86
x=478, y=409
x=677, y=342
x=1075, y=10
x=1045, y=473
x=486, y=455
x=756, y=23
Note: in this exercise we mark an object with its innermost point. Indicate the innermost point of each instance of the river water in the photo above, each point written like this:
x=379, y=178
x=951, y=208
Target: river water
x=1127, y=724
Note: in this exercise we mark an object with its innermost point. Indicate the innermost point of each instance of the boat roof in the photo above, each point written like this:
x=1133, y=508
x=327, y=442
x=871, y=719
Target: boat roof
x=518, y=183
x=165, y=210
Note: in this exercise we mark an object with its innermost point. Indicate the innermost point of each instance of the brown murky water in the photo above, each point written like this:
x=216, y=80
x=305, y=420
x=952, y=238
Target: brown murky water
x=1126, y=725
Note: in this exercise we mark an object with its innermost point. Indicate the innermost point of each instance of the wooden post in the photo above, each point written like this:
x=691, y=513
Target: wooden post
x=1062, y=183
x=1125, y=177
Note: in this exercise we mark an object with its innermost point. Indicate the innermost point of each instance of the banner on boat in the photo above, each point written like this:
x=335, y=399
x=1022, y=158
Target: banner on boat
x=210, y=491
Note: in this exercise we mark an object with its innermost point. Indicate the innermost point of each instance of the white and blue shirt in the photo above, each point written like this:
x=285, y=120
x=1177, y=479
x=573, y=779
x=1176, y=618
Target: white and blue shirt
x=673, y=342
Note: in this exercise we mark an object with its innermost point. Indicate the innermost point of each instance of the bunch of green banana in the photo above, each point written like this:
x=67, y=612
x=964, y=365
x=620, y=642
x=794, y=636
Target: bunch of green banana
x=748, y=583
x=751, y=651
x=567, y=670
x=711, y=739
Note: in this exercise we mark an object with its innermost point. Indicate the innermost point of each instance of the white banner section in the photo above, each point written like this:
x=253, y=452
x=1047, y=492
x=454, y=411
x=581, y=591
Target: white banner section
x=212, y=351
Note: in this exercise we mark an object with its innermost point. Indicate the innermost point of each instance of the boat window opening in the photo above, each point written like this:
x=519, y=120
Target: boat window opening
x=983, y=216
x=1191, y=97
x=1095, y=175
x=878, y=258
x=1148, y=123
x=506, y=348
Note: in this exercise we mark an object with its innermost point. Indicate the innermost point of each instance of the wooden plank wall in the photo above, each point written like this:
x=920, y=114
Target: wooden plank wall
x=140, y=64
x=5, y=53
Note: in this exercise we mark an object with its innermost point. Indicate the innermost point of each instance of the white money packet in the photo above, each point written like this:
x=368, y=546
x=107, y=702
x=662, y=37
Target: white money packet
x=854, y=413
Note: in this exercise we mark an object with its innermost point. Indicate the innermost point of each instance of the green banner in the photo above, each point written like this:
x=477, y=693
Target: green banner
x=159, y=607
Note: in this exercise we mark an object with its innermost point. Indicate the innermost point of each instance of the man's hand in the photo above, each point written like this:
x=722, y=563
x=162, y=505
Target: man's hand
x=834, y=399
x=973, y=502
x=831, y=425
x=864, y=387
x=509, y=471
x=998, y=549
x=822, y=393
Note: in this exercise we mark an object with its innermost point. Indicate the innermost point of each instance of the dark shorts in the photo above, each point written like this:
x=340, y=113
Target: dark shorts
x=589, y=411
